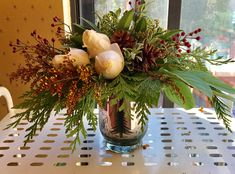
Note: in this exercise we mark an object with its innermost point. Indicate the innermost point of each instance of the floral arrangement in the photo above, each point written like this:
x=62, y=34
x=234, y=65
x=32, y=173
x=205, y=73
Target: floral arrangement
x=125, y=57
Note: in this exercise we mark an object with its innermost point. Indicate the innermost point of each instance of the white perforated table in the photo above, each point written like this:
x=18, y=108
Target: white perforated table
x=180, y=142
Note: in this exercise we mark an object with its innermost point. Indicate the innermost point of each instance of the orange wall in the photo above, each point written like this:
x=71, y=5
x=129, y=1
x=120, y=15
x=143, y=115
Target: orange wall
x=18, y=18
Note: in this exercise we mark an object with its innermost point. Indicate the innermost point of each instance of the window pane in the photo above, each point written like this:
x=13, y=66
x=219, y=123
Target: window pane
x=104, y=6
x=217, y=20
x=157, y=9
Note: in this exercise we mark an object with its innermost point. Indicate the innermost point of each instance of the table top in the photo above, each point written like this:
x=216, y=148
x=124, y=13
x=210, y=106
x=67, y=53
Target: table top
x=180, y=142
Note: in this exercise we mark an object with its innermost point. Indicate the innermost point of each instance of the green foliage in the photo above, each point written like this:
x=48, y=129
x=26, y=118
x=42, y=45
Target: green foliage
x=108, y=23
x=222, y=111
x=182, y=97
x=141, y=25
x=125, y=21
x=75, y=122
x=169, y=34
x=148, y=96
x=37, y=111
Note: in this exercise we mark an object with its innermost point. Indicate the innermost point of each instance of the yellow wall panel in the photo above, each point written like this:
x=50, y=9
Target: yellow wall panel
x=18, y=18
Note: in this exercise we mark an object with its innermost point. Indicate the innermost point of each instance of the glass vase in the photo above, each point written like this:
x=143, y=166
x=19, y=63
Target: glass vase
x=121, y=131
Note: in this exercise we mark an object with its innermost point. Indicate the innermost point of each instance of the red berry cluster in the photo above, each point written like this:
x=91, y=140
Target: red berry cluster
x=138, y=2
x=182, y=40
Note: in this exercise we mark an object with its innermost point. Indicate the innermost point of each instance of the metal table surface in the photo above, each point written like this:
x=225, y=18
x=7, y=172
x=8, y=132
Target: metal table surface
x=180, y=142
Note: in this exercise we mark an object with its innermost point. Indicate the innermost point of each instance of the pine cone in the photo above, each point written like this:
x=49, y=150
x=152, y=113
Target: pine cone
x=149, y=55
x=123, y=39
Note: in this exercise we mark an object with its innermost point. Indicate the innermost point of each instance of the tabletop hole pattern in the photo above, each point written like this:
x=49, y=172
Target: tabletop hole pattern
x=30, y=141
x=181, y=128
x=190, y=147
x=187, y=127
x=4, y=147
x=218, y=128
x=8, y=141
x=14, y=135
x=36, y=164
x=86, y=148
x=126, y=164
x=215, y=155
x=19, y=155
x=173, y=164
x=207, y=140
x=88, y=141
x=149, y=164
x=12, y=164
x=231, y=147
x=90, y=135
x=198, y=164
x=49, y=141
x=60, y=164
x=165, y=134
x=193, y=155
x=164, y=128
x=167, y=141
x=66, y=148
x=106, y=155
x=168, y=147
x=41, y=156
x=228, y=140
x=211, y=118
x=84, y=155
x=171, y=155
x=220, y=164
x=63, y=156
x=57, y=124
x=127, y=155
x=24, y=148
x=194, y=118
x=204, y=134
x=223, y=134
x=45, y=148
x=105, y=164
x=187, y=140
x=212, y=147
x=200, y=128
x=82, y=164
x=68, y=141
x=55, y=129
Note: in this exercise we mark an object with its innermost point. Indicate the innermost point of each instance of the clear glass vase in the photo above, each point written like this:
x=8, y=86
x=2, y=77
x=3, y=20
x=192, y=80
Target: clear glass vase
x=121, y=132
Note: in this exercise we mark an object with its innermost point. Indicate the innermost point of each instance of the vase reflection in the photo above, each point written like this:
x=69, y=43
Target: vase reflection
x=120, y=129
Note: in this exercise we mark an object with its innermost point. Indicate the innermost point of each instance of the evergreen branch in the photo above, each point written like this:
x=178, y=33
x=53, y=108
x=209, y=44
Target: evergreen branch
x=148, y=95
x=75, y=122
x=222, y=111
x=38, y=109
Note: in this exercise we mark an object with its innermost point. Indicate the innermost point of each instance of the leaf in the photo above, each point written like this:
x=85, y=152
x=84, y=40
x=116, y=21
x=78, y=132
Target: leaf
x=141, y=25
x=215, y=82
x=79, y=28
x=220, y=94
x=188, y=102
x=90, y=24
x=194, y=80
x=118, y=12
x=126, y=20
x=169, y=34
